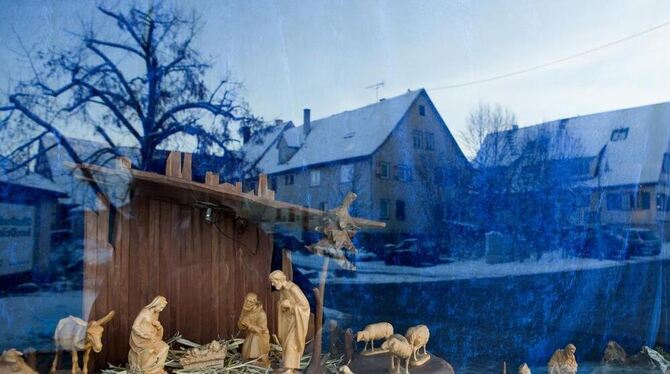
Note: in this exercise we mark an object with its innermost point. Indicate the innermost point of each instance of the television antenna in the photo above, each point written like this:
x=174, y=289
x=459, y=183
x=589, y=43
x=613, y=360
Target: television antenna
x=376, y=86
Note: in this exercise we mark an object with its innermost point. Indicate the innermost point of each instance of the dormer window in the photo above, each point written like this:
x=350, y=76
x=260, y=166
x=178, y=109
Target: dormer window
x=619, y=134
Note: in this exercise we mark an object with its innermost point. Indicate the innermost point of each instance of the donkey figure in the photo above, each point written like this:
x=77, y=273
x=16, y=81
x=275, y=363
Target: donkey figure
x=74, y=334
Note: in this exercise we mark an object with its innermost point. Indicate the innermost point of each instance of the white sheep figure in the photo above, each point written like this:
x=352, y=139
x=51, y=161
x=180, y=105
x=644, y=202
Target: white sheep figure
x=372, y=332
x=399, y=349
x=418, y=337
x=344, y=370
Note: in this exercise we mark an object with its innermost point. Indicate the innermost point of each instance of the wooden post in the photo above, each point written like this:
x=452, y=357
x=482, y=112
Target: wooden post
x=173, y=165
x=187, y=168
x=211, y=179
x=348, y=346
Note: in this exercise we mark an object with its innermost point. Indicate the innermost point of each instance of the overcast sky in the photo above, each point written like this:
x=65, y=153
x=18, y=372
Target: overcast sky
x=317, y=54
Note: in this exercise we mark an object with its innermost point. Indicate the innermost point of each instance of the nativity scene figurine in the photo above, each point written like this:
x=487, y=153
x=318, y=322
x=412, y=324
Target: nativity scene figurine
x=254, y=323
x=148, y=351
x=293, y=319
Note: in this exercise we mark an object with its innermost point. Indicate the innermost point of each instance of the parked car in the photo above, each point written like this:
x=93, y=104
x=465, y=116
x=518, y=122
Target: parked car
x=411, y=252
x=600, y=243
x=641, y=242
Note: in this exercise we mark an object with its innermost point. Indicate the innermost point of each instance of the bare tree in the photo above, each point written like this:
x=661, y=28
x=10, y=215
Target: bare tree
x=485, y=120
x=143, y=86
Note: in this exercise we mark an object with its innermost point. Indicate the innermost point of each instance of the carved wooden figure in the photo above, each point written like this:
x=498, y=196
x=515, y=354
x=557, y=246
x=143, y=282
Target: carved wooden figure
x=418, y=337
x=253, y=321
x=11, y=362
x=372, y=332
x=208, y=356
x=148, y=351
x=524, y=369
x=563, y=361
x=74, y=334
x=293, y=312
x=399, y=349
x=338, y=229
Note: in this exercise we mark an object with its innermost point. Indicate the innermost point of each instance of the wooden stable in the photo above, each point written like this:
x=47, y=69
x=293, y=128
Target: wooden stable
x=159, y=243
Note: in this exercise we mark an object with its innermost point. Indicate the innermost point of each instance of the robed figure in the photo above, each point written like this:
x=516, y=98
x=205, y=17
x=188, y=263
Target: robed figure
x=254, y=322
x=148, y=351
x=293, y=313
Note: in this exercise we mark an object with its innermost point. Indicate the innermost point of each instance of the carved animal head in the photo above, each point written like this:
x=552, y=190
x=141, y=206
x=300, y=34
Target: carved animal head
x=362, y=336
x=94, y=331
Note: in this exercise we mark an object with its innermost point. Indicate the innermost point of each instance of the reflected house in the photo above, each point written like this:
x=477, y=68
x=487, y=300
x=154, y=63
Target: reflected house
x=604, y=169
x=27, y=224
x=397, y=155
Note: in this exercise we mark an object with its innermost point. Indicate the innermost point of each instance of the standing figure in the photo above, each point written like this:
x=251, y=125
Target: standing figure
x=293, y=313
x=254, y=322
x=563, y=361
x=148, y=351
x=74, y=334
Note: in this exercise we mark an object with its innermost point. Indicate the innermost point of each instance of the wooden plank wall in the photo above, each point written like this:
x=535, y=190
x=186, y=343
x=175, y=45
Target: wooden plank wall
x=164, y=248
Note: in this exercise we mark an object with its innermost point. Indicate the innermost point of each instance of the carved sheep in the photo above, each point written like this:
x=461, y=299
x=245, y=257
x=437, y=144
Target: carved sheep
x=11, y=362
x=399, y=349
x=345, y=370
x=418, y=337
x=372, y=332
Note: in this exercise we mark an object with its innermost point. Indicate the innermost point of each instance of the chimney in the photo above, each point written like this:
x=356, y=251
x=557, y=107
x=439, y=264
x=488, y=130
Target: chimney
x=279, y=122
x=245, y=131
x=306, y=123
x=515, y=127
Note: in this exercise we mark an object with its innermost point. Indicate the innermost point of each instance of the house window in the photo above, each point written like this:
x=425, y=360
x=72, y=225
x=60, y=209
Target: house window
x=314, y=178
x=640, y=201
x=619, y=134
x=430, y=141
x=384, y=209
x=383, y=170
x=417, y=138
x=323, y=206
x=346, y=173
x=422, y=110
x=400, y=210
x=403, y=173
x=288, y=179
x=613, y=201
x=273, y=183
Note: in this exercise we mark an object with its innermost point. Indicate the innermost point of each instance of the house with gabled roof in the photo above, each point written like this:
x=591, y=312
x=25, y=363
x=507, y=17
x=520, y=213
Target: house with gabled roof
x=614, y=165
x=397, y=155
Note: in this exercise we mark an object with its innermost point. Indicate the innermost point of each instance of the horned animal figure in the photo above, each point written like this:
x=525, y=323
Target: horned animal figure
x=11, y=362
x=399, y=349
x=372, y=332
x=418, y=337
x=74, y=334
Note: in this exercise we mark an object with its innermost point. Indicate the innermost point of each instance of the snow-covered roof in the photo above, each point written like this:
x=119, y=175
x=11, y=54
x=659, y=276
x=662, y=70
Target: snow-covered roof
x=260, y=142
x=350, y=134
x=632, y=141
x=31, y=180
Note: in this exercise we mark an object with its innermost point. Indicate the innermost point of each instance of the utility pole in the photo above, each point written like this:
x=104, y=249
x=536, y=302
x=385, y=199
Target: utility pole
x=376, y=86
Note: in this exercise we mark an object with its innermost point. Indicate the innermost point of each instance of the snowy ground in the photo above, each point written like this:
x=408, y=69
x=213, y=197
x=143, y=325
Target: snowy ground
x=29, y=321
x=377, y=272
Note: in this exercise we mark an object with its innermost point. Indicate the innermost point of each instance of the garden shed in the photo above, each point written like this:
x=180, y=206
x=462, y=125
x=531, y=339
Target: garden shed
x=201, y=245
